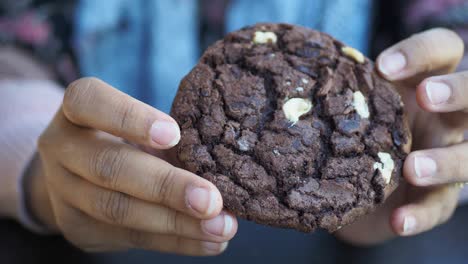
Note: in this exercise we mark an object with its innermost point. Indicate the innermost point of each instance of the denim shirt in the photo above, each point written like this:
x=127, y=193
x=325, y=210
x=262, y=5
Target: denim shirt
x=145, y=47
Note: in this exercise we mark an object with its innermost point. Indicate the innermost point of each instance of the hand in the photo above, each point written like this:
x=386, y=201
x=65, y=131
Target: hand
x=436, y=103
x=106, y=194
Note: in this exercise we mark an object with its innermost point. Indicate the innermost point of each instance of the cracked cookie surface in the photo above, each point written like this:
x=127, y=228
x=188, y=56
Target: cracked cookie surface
x=337, y=160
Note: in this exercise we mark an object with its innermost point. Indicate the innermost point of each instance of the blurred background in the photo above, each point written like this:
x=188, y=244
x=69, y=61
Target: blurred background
x=153, y=44
x=256, y=244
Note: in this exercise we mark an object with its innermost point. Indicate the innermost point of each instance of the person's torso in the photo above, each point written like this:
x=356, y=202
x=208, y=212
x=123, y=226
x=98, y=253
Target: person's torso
x=145, y=48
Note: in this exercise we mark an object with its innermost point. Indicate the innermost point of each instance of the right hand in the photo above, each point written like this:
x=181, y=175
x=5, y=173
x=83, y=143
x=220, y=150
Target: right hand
x=436, y=106
x=106, y=194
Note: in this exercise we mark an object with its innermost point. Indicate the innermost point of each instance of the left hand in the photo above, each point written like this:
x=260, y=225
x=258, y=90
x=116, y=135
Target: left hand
x=436, y=102
x=102, y=194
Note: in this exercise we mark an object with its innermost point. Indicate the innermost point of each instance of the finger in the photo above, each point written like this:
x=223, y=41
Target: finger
x=374, y=228
x=437, y=166
x=94, y=236
x=82, y=230
x=92, y=103
x=173, y=244
x=119, y=209
x=434, y=208
x=435, y=50
x=123, y=168
x=447, y=93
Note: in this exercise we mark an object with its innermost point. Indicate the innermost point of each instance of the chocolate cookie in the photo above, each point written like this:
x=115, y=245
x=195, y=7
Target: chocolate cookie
x=295, y=129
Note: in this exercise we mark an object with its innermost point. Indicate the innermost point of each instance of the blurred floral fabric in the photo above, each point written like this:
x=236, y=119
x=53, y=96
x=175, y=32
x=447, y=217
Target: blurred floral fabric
x=424, y=14
x=45, y=28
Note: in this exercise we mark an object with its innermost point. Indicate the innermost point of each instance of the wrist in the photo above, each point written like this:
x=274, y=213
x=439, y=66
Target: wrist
x=9, y=198
x=36, y=208
x=26, y=108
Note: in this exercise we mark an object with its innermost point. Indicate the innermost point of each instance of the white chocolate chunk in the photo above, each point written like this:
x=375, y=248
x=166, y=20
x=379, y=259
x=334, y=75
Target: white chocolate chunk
x=385, y=166
x=354, y=54
x=295, y=108
x=360, y=105
x=300, y=89
x=262, y=37
x=243, y=144
x=304, y=81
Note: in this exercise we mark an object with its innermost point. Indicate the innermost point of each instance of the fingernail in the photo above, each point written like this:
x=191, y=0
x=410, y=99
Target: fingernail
x=165, y=133
x=392, y=63
x=223, y=246
x=201, y=200
x=424, y=166
x=409, y=225
x=211, y=247
x=438, y=92
x=221, y=225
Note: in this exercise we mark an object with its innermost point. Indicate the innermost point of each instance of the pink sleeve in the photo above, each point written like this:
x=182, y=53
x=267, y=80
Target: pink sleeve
x=26, y=107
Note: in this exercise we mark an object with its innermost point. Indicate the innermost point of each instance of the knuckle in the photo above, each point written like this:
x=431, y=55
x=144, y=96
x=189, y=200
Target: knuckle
x=460, y=82
x=424, y=45
x=456, y=42
x=456, y=168
x=445, y=217
x=179, y=223
x=77, y=94
x=128, y=115
x=448, y=34
x=114, y=207
x=125, y=115
x=445, y=205
x=446, y=212
x=441, y=31
x=438, y=46
x=107, y=163
x=138, y=239
x=463, y=76
x=162, y=186
x=179, y=244
x=170, y=224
